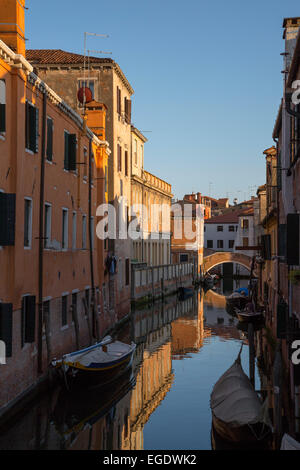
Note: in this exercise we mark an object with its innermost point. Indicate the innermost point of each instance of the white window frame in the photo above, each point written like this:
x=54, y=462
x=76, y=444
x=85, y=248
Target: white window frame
x=65, y=229
x=29, y=223
x=74, y=230
x=47, y=241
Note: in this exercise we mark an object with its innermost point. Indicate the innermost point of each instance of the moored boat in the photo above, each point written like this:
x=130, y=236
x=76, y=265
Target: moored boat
x=185, y=293
x=236, y=300
x=249, y=317
x=98, y=364
x=238, y=414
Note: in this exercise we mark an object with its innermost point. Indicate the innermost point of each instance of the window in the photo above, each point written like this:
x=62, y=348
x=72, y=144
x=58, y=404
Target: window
x=47, y=226
x=121, y=187
x=64, y=238
x=74, y=230
x=84, y=232
x=126, y=163
x=6, y=327
x=2, y=106
x=119, y=149
x=31, y=127
x=231, y=228
x=230, y=243
x=142, y=158
x=28, y=319
x=70, y=151
x=245, y=241
x=210, y=243
x=127, y=107
x=7, y=219
x=64, y=310
x=220, y=244
x=220, y=228
x=184, y=258
x=27, y=222
x=87, y=84
x=118, y=100
x=135, y=152
x=127, y=271
x=49, y=151
x=245, y=224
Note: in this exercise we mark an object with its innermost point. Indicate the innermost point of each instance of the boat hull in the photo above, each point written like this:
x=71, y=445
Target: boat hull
x=242, y=435
x=76, y=377
x=219, y=443
x=250, y=318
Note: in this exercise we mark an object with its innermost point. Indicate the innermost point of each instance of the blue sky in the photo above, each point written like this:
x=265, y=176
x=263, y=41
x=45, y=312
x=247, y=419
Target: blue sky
x=206, y=74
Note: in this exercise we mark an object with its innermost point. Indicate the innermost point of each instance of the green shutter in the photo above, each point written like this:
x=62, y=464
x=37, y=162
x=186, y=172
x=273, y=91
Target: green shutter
x=6, y=325
x=7, y=219
x=2, y=118
x=72, y=152
x=292, y=239
x=49, y=139
x=30, y=319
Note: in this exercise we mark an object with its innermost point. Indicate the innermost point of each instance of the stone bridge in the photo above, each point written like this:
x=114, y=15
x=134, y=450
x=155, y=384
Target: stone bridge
x=220, y=257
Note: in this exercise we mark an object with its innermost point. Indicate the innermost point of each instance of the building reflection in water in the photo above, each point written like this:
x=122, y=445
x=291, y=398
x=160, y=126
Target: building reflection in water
x=116, y=419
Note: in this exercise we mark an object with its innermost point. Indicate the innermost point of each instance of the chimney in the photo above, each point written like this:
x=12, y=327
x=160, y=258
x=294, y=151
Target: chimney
x=291, y=28
x=96, y=114
x=199, y=198
x=12, y=24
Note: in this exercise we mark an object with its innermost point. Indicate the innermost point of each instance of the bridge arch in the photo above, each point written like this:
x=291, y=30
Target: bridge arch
x=221, y=257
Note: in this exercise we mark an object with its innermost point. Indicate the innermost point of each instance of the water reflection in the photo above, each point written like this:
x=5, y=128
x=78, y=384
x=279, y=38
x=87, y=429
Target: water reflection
x=162, y=403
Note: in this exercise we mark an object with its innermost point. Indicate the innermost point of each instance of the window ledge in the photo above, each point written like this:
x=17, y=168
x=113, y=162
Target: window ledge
x=2, y=136
x=65, y=327
x=29, y=151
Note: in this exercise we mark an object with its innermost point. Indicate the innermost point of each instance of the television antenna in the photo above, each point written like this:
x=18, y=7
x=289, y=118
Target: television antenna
x=86, y=34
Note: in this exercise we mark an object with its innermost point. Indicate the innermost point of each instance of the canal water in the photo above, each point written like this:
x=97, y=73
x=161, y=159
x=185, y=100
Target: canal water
x=163, y=403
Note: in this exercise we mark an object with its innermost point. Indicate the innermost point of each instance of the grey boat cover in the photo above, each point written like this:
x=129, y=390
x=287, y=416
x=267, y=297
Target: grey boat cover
x=234, y=401
x=112, y=351
x=288, y=443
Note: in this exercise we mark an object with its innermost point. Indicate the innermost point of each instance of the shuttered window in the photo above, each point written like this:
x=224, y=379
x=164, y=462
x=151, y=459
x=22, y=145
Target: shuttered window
x=28, y=319
x=282, y=240
x=266, y=247
x=127, y=106
x=27, y=222
x=119, y=152
x=6, y=326
x=2, y=106
x=282, y=317
x=292, y=239
x=31, y=127
x=118, y=100
x=70, y=151
x=127, y=271
x=126, y=163
x=7, y=219
x=49, y=151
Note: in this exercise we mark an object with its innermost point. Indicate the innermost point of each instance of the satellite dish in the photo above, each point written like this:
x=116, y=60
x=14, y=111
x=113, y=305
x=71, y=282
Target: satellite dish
x=87, y=92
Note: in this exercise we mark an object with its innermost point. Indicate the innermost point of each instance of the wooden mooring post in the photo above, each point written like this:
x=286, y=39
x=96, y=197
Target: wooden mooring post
x=251, y=354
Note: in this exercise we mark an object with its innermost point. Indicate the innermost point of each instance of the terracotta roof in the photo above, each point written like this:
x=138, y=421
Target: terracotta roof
x=247, y=211
x=49, y=57
x=228, y=218
x=58, y=56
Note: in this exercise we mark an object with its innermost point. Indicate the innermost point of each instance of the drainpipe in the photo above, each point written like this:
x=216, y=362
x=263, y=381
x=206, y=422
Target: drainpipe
x=278, y=221
x=41, y=238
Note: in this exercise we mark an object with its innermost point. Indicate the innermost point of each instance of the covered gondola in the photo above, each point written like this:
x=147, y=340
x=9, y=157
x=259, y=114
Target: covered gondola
x=238, y=414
